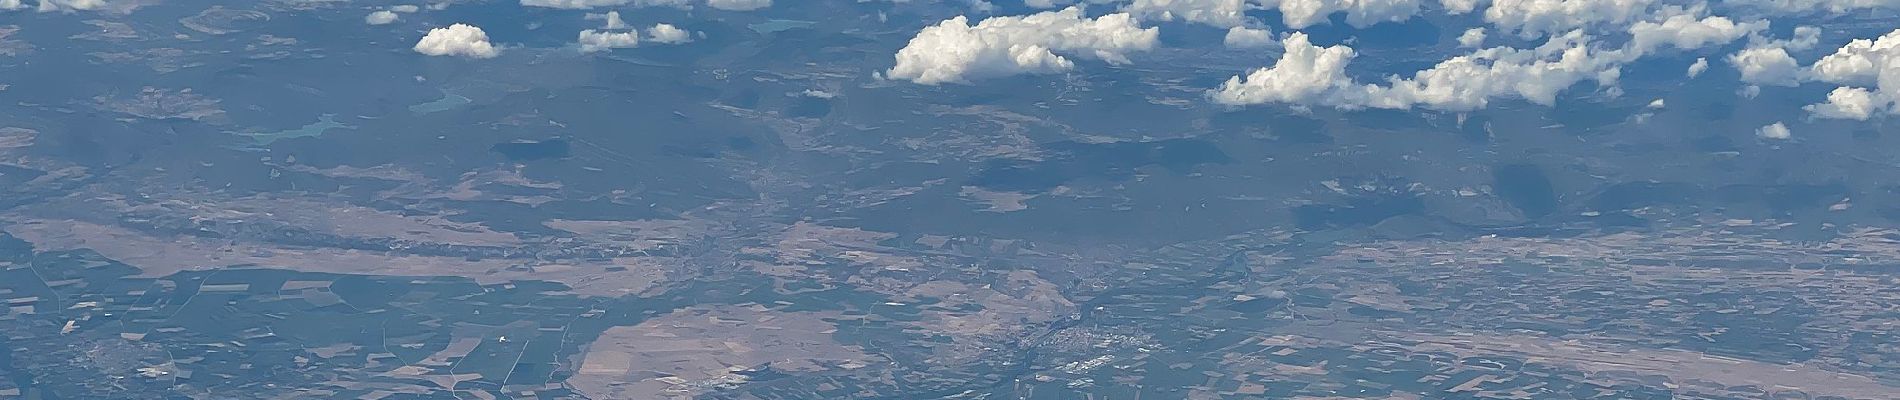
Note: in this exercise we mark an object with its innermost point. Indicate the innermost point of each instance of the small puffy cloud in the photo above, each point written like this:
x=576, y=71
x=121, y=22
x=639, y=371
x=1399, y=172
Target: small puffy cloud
x=611, y=19
x=385, y=17
x=1241, y=37
x=739, y=5
x=1857, y=66
x=1459, y=7
x=1701, y=64
x=1535, y=75
x=70, y=5
x=457, y=40
x=956, y=52
x=1535, y=18
x=1651, y=23
x=574, y=4
x=1851, y=103
x=1767, y=66
x=1649, y=112
x=668, y=34
x=1311, y=75
x=11, y=5
x=1805, y=37
x=1775, y=131
x=602, y=40
x=1294, y=13
x=734, y=5
x=1827, y=6
x=1472, y=38
x=1303, y=73
x=1684, y=31
x=1359, y=13
x=1220, y=13
x=592, y=40
x=380, y=18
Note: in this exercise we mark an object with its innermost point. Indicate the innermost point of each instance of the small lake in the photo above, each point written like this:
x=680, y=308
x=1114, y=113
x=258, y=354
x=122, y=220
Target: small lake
x=448, y=101
x=324, y=123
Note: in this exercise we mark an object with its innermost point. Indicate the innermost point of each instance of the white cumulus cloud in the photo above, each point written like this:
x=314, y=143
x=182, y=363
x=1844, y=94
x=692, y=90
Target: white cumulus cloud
x=380, y=18
x=668, y=34
x=385, y=17
x=1241, y=37
x=1684, y=31
x=1534, y=18
x=1305, y=72
x=1805, y=37
x=1851, y=103
x=592, y=40
x=1828, y=6
x=1221, y=13
x=611, y=19
x=1359, y=13
x=1774, y=131
x=1767, y=66
x=70, y=5
x=1473, y=38
x=1696, y=68
x=457, y=40
x=1861, y=61
x=1868, y=71
x=739, y=5
x=602, y=40
x=1309, y=75
x=1295, y=14
x=956, y=52
x=574, y=4
x=1459, y=7
x=735, y=5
